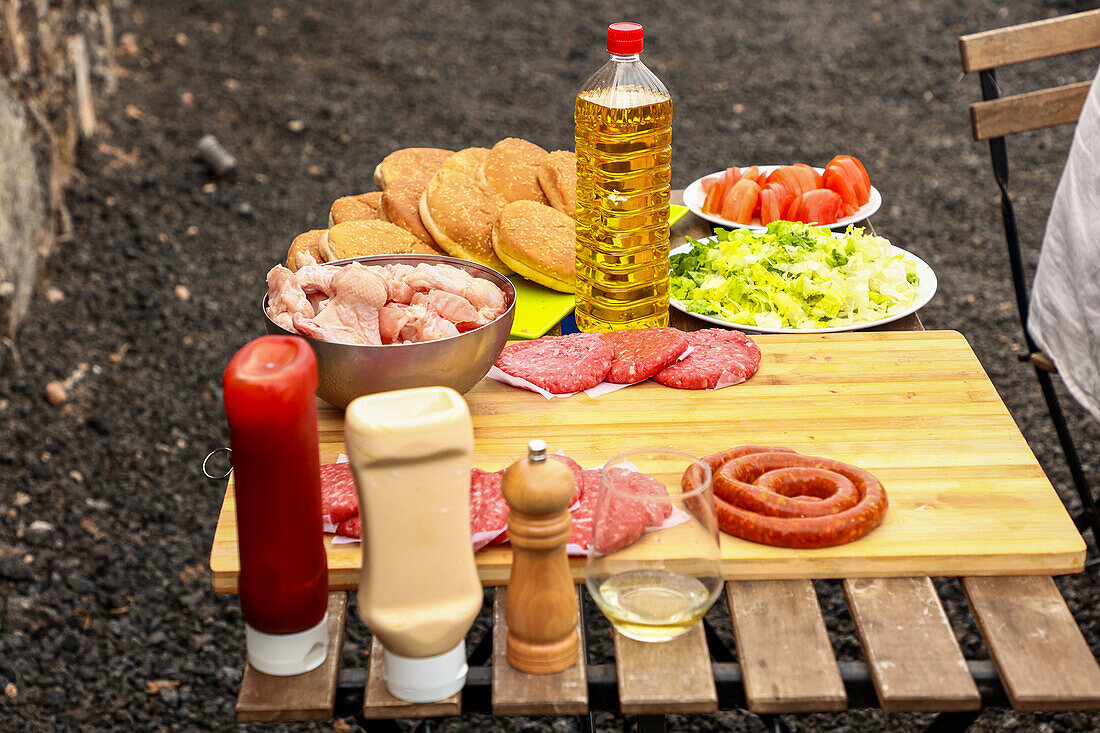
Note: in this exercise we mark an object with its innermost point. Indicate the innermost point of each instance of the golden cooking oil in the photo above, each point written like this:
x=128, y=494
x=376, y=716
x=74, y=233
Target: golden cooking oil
x=623, y=118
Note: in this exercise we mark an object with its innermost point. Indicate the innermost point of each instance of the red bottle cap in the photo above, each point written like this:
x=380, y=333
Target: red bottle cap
x=624, y=38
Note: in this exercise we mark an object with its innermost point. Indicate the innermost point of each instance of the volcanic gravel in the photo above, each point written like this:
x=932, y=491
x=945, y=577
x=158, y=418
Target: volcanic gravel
x=107, y=618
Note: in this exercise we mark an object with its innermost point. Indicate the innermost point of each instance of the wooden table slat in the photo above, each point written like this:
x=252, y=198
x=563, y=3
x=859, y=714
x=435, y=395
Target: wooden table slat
x=379, y=704
x=265, y=698
x=915, y=661
x=518, y=693
x=1041, y=656
x=666, y=677
x=785, y=654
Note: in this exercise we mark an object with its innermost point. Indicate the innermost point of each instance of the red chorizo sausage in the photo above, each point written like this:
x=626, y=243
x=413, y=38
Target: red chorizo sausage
x=784, y=499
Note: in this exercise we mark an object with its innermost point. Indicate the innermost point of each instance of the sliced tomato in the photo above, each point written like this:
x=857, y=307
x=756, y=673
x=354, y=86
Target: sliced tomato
x=731, y=176
x=708, y=183
x=752, y=173
x=740, y=201
x=778, y=197
x=795, y=180
x=811, y=177
x=856, y=174
x=838, y=179
x=770, y=208
x=790, y=211
x=712, y=204
x=820, y=206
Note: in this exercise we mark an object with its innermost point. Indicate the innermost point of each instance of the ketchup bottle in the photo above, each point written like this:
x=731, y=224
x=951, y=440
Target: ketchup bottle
x=269, y=388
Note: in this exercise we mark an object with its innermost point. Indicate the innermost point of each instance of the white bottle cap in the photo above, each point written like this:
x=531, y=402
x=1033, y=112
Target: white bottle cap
x=287, y=654
x=425, y=679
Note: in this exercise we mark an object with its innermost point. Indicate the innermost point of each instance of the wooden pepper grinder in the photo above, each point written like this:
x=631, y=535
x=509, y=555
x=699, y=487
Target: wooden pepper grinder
x=542, y=603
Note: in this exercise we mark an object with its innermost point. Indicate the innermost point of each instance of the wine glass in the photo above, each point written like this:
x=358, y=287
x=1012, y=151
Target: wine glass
x=654, y=564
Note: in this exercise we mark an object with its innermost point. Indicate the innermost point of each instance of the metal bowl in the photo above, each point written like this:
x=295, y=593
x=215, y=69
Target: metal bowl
x=347, y=371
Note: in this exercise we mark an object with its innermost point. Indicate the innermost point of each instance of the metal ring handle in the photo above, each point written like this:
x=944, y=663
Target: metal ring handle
x=211, y=454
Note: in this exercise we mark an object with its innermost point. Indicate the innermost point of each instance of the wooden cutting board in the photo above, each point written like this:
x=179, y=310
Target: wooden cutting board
x=967, y=496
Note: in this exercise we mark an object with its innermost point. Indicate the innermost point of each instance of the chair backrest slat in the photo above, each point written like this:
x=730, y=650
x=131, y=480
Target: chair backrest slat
x=1030, y=41
x=1031, y=111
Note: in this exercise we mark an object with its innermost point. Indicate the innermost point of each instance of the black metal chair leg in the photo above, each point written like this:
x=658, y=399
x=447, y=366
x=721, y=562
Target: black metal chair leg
x=951, y=722
x=1073, y=460
x=773, y=723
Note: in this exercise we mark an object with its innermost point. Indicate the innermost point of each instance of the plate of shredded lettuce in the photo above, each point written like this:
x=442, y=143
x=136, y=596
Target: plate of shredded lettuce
x=798, y=278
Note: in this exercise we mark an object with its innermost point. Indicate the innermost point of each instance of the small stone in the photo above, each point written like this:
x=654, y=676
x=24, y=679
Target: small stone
x=11, y=568
x=54, y=295
x=231, y=84
x=38, y=526
x=209, y=187
x=76, y=476
x=133, y=112
x=192, y=230
x=97, y=504
x=261, y=31
x=182, y=292
x=11, y=691
x=313, y=171
x=738, y=108
x=182, y=39
x=245, y=210
x=187, y=99
x=56, y=393
x=21, y=499
x=341, y=726
x=296, y=125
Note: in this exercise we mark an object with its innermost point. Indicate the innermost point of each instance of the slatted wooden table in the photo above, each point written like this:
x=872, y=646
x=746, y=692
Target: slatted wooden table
x=785, y=662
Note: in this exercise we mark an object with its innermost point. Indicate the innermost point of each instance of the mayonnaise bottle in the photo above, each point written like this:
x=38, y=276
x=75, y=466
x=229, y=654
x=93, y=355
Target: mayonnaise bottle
x=419, y=593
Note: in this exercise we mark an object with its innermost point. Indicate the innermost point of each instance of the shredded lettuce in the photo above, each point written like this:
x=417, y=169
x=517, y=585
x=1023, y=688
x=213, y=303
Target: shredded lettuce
x=793, y=275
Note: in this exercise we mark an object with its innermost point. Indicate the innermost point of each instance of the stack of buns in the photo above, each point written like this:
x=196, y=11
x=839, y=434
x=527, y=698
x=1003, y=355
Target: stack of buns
x=509, y=207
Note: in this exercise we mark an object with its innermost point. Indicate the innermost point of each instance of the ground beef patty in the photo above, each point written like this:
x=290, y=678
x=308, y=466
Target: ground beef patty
x=558, y=364
x=641, y=353
x=715, y=351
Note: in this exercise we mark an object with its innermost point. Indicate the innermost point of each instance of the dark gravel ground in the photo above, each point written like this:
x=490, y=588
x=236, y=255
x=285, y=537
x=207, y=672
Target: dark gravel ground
x=107, y=620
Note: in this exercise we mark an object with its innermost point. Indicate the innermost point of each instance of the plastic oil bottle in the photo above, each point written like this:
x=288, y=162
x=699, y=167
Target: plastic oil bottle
x=623, y=118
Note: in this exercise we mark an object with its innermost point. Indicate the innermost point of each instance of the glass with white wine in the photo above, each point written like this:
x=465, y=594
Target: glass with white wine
x=656, y=585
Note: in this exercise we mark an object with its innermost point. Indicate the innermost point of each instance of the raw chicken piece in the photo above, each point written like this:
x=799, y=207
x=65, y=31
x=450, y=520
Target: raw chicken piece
x=425, y=325
x=316, y=281
x=454, y=308
x=303, y=259
x=483, y=295
x=285, y=298
x=351, y=315
x=396, y=277
x=391, y=319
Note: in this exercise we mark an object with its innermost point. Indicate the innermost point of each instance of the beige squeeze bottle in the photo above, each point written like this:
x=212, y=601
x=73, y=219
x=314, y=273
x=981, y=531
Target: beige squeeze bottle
x=419, y=593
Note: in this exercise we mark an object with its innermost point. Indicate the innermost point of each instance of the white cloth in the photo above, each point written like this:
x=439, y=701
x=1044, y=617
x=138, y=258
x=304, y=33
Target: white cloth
x=1064, y=317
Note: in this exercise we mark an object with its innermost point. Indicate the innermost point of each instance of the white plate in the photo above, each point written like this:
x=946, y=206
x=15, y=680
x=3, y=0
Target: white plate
x=926, y=288
x=694, y=197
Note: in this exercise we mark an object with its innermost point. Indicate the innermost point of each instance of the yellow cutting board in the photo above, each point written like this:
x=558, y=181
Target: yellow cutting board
x=967, y=496
x=538, y=308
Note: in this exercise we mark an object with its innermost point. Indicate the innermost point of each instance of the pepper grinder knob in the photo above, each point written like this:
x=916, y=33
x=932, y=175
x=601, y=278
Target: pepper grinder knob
x=541, y=607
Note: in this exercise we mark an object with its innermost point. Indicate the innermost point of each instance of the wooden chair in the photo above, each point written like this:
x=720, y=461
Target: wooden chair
x=995, y=118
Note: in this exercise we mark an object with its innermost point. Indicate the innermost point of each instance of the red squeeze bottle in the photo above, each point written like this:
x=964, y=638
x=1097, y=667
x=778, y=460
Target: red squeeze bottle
x=269, y=388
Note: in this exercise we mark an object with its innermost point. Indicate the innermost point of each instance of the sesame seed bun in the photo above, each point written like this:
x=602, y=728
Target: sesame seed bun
x=369, y=237
x=512, y=170
x=558, y=179
x=459, y=213
x=401, y=206
x=409, y=163
x=308, y=242
x=538, y=242
x=469, y=161
x=355, y=208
